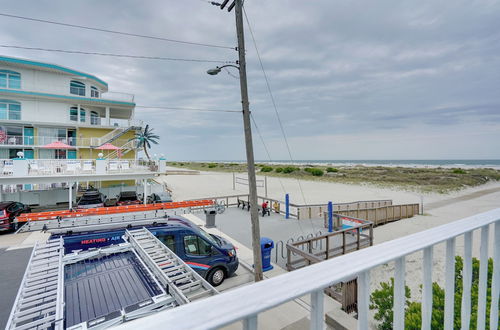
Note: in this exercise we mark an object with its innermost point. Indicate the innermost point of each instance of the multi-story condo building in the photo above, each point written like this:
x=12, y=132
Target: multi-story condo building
x=41, y=103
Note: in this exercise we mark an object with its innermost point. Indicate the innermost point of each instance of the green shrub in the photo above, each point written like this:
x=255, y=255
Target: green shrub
x=308, y=169
x=289, y=169
x=331, y=170
x=173, y=164
x=266, y=169
x=458, y=171
x=316, y=172
x=181, y=164
x=382, y=301
x=278, y=169
x=212, y=165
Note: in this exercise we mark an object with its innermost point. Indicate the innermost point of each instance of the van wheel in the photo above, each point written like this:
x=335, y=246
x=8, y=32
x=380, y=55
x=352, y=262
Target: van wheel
x=216, y=276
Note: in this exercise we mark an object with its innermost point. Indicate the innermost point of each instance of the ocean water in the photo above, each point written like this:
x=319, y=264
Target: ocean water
x=431, y=163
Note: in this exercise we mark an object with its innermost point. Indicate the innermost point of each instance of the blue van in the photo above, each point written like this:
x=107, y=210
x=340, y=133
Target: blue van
x=211, y=256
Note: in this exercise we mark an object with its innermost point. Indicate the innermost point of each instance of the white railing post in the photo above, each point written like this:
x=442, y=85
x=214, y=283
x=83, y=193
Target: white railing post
x=483, y=278
x=317, y=310
x=250, y=323
x=495, y=282
x=399, y=294
x=467, y=281
x=363, y=299
x=449, y=302
x=427, y=289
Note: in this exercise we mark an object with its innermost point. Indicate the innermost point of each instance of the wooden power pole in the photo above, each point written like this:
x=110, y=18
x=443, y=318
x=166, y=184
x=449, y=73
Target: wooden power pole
x=252, y=184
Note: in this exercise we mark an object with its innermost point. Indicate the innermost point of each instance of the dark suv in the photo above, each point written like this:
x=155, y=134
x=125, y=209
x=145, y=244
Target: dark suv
x=128, y=198
x=10, y=210
x=90, y=199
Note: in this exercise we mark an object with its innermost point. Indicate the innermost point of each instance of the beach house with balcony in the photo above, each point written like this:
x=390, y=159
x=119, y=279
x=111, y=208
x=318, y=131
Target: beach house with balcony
x=41, y=103
x=60, y=118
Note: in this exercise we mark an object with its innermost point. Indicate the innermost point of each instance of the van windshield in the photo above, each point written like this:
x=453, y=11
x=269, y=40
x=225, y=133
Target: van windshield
x=208, y=238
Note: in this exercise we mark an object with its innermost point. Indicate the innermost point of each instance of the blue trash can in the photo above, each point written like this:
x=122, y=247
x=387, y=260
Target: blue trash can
x=266, y=246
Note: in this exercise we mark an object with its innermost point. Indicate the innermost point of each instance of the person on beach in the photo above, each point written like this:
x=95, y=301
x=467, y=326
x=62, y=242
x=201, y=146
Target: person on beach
x=264, y=208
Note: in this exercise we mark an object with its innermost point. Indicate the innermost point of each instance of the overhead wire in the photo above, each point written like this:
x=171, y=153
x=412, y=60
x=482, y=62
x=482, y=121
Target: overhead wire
x=270, y=159
x=268, y=85
x=161, y=58
x=115, y=31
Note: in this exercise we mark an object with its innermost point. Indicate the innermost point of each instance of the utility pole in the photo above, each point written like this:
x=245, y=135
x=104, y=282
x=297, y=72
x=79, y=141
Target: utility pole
x=252, y=184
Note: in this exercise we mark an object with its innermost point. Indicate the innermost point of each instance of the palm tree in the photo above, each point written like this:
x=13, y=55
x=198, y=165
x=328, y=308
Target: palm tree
x=144, y=139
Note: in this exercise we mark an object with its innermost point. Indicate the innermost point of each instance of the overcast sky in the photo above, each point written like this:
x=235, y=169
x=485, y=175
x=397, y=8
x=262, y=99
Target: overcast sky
x=351, y=79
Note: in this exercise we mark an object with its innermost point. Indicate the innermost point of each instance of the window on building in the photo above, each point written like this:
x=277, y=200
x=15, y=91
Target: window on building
x=10, y=109
x=94, y=92
x=197, y=246
x=10, y=79
x=94, y=118
x=77, y=88
x=73, y=114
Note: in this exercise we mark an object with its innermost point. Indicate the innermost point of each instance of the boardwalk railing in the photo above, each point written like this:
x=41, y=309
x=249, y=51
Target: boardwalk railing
x=246, y=303
x=381, y=215
x=299, y=211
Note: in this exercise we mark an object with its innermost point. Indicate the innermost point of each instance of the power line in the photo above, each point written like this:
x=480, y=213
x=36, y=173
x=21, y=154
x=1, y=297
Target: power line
x=114, y=31
x=272, y=99
x=115, y=55
x=270, y=159
x=186, y=109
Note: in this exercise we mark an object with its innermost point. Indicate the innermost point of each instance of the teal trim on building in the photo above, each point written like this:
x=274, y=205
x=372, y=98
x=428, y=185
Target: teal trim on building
x=52, y=66
x=18, y=92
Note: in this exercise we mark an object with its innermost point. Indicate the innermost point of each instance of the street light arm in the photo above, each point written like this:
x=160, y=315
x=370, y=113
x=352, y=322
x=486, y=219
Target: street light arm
x=229, y=65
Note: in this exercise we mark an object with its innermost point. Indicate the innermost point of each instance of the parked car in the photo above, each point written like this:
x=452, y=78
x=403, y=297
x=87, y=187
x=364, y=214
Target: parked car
x=90, y=199
x=211, y=256
x=162, y=197
x=8, y=212
x=127, y=198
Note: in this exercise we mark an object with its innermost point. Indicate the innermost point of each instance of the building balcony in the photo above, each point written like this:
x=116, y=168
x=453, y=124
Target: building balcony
x=16, y=141
x=257, y=303
x=56, y=90
x=26, y=168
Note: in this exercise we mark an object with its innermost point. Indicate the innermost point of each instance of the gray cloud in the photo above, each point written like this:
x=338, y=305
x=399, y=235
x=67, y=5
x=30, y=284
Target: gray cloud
x=341, y=72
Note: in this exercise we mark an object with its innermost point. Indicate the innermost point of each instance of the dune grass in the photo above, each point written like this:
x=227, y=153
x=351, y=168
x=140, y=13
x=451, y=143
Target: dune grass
x=441, y=180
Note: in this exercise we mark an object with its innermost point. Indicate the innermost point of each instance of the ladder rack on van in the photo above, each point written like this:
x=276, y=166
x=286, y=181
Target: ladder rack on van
x=93, y=220
x=183, y=282
x=39, y=301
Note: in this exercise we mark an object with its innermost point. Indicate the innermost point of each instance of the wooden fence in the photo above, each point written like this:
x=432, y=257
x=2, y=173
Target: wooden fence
x=382, y=215
x=308, y=251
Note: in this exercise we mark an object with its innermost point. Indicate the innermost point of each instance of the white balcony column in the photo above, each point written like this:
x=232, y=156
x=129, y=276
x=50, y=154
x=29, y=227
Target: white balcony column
x=162, y=165
x=70, y=191
x=78, y=113
x=20, y=167
x=100, y=165
x=145, y=190
x=107, y=119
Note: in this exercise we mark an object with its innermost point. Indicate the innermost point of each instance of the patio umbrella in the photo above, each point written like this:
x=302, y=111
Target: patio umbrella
x=109, y=146
x=57, y=145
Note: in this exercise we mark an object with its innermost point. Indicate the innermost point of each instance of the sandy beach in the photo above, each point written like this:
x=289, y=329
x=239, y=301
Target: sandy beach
x=438, y=209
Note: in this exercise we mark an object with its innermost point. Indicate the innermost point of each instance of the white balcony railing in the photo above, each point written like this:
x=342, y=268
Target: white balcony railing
x=40, y=141
x=61, y=89
x=48, y=167
x=246, y=303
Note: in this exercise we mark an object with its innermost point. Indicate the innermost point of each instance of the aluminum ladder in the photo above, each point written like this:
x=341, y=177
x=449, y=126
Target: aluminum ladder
x=39, y=302
x=182, y=281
